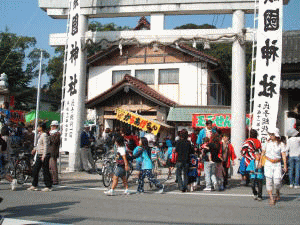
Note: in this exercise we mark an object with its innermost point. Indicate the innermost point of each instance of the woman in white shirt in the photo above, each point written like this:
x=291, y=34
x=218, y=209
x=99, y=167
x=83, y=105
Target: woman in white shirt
x=274, y=150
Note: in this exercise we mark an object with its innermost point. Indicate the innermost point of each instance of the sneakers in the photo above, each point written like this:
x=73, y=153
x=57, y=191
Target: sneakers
x=161, y=190
x=291, y=185
x=207, y=189
x=110, y=192
x=126, y=192
x=296, y=186
x=32, y=188
x=46, y=189
x=255, y=197
x=259, y=199
x=14, y=184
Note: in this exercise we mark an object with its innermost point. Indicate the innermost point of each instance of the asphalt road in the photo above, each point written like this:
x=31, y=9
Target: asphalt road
x=80, y=200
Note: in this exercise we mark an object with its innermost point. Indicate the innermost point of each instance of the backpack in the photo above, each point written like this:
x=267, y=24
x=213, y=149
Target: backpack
x=131, y=144
x=174, y=156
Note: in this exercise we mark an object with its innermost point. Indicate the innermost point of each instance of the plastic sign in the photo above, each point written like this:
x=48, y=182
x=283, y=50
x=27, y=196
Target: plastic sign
x=137, y=121
x=219, y=120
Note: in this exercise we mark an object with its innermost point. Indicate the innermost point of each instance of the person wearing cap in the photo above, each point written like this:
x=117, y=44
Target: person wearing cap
x=274, y=150
x=85, y=150
x=54, y=143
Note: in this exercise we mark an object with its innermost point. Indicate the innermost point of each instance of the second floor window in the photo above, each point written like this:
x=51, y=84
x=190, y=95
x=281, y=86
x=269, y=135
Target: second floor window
x=145, y=75
x=168, y=76
x=118, y=75
x=213, y=88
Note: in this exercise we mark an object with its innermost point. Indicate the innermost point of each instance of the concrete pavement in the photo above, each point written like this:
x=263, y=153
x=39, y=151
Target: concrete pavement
x=79, y=199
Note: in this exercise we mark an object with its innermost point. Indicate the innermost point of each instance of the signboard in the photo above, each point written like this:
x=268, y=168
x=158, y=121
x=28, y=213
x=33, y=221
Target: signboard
x=268, y=66
x=219, y=120
x=137, y=121
x=72, y=97
x=17, y=116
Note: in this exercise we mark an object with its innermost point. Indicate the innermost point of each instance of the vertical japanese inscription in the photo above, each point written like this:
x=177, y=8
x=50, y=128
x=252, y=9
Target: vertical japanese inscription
x=271, y=20
x=75, y=24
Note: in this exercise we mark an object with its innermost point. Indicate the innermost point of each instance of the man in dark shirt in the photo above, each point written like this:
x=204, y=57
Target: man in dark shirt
x=184, y=150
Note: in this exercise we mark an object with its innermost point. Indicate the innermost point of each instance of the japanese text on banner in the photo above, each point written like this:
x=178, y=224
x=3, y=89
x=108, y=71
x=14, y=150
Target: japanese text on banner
x=268, y=66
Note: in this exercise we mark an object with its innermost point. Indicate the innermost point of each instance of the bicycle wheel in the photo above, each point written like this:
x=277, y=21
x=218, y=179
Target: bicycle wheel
x=10, y=169
x=107, y=175
x=20, y=173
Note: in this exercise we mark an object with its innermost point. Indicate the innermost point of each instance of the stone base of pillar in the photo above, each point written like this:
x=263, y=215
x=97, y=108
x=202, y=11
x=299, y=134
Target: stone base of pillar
x=235, y=175
x=74, y=162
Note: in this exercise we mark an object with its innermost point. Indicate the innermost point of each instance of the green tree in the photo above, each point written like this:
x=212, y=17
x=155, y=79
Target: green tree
x=16, y=54
x=55, y=71
x=195, y=26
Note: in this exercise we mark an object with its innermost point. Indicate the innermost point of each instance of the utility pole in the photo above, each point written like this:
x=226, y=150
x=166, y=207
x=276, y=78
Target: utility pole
x=38, y=100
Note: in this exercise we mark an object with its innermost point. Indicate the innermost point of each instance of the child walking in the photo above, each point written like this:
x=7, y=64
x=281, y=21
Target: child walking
x=256, y=176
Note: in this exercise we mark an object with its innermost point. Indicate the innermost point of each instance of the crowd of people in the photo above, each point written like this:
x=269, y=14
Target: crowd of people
x=208, y=152
x=16, y=138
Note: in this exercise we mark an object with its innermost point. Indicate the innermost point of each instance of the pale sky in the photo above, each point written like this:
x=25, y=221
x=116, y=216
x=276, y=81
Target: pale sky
x=24, y=17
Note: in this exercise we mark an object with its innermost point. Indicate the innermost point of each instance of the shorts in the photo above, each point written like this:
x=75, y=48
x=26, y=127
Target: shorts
x=120, y=171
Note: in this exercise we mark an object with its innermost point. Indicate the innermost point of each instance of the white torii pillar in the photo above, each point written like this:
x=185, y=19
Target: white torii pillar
x=74, y=155
x=238, y=98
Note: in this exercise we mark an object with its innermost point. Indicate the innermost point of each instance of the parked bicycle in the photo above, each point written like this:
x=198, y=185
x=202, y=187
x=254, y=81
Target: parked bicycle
x=19, y=166
x=108, y=167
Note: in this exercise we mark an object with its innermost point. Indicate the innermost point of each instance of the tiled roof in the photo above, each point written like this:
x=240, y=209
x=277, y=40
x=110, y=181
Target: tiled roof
x=290, y=84
x=199, y=53
x=135, y=83
x=291, y=47
x=143, y=22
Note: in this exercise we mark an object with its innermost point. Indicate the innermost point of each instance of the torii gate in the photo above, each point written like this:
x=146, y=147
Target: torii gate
x=157, y=9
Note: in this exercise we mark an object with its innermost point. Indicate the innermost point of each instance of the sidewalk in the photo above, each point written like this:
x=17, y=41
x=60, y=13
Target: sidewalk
x=85, y=180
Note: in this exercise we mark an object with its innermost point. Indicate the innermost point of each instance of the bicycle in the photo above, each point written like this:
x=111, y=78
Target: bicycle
x=108, y=169
x=19, y=166
x=97, y=153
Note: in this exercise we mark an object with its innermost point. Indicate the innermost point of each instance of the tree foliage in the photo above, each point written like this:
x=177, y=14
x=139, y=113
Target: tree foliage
x=195, y=26
x=223, y=52
x=20, y=63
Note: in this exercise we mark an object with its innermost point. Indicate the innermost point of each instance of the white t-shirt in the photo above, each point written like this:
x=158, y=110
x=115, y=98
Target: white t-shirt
x=293, y=146
x=274, y=150
x=121, y=150
x=208, y=133
x=150, y=137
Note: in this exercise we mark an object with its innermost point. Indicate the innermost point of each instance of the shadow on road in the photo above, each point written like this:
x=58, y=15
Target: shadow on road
x=46, y=210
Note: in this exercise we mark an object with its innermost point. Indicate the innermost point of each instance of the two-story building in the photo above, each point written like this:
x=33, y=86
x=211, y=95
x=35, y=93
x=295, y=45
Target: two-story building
x=151, y=79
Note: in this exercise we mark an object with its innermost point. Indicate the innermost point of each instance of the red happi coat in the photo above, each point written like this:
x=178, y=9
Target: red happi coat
x=231, y=154
x=248, y=149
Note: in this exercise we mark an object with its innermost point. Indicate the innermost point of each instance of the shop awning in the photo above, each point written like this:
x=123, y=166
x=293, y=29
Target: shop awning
x=185, y=113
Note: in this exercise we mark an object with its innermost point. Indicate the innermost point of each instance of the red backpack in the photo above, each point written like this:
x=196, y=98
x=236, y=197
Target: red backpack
x=174, y=156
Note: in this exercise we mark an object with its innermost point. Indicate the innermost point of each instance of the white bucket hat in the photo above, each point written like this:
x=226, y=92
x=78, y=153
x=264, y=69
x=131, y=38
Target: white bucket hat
x=54, y=123
x=275, y=131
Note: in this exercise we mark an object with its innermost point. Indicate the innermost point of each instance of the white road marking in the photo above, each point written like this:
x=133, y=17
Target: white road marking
x=8, y=221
